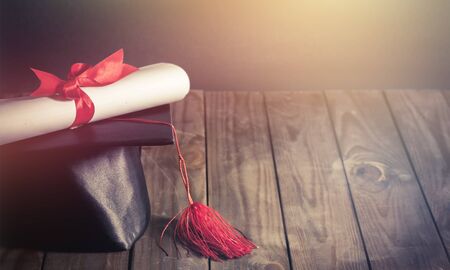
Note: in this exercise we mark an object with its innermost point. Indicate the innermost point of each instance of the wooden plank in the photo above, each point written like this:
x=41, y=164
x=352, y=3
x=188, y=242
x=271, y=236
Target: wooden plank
x=19, y=259
x=72, y=261
x=241, y=176
x=423, y=118
x=321, y=226
x=166, y=192
x=396, y=224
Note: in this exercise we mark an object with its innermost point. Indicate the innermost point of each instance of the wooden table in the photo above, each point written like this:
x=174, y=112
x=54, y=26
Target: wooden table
x=319, y=180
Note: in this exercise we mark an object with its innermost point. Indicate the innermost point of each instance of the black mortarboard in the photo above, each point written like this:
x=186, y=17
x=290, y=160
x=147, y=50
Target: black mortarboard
x=79, y=189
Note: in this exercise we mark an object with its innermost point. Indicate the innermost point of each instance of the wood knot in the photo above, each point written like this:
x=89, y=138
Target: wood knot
x=370, y=171
x=273, y=266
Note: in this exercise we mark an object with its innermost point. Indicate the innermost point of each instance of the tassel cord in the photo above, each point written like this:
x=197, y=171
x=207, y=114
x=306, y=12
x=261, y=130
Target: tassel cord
x=181, y=160
x=182, y=168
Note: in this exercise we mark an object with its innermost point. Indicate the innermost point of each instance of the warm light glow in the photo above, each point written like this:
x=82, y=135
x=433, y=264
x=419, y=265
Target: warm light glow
x=241, y=45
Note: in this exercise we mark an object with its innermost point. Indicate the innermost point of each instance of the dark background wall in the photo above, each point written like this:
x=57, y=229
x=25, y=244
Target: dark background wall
x=236, y=45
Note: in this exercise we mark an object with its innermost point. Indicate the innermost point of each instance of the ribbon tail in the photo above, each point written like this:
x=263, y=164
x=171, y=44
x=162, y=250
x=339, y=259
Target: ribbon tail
x=128, y=69
x=108, y=70
x=49, y=83
x=85, y=110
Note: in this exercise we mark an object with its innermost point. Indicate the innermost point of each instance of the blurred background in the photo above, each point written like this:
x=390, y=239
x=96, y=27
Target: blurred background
x=236, y=45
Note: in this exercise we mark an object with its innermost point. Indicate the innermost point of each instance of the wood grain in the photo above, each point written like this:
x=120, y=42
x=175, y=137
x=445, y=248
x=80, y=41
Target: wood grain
x=73, y=261
x=18, y=259
x=321, y=226
x=423, y=118
x=241, y=176
x=166, y=192
x=396, y=224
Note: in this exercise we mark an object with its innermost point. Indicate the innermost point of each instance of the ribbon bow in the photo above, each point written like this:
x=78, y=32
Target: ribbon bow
x=109, y=70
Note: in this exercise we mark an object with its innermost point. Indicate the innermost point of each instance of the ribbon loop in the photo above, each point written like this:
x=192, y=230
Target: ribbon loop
x=76, y=70
x=107, y=71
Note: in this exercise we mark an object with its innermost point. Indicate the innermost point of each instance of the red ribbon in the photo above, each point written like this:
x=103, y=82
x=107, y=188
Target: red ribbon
x=109, y=70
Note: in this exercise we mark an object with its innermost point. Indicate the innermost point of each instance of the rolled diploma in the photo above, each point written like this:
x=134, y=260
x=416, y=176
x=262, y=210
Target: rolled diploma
x=150, y=86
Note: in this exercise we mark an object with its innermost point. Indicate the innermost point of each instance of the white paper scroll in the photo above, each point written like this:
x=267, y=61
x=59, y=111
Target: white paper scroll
x=150, y=86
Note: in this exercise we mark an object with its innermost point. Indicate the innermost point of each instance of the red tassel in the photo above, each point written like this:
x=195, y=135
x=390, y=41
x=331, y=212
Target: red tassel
x=199, y=227
x=203, y=230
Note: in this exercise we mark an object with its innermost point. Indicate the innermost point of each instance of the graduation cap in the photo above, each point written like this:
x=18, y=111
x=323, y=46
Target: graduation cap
x=79, y=189
x=83, y=188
